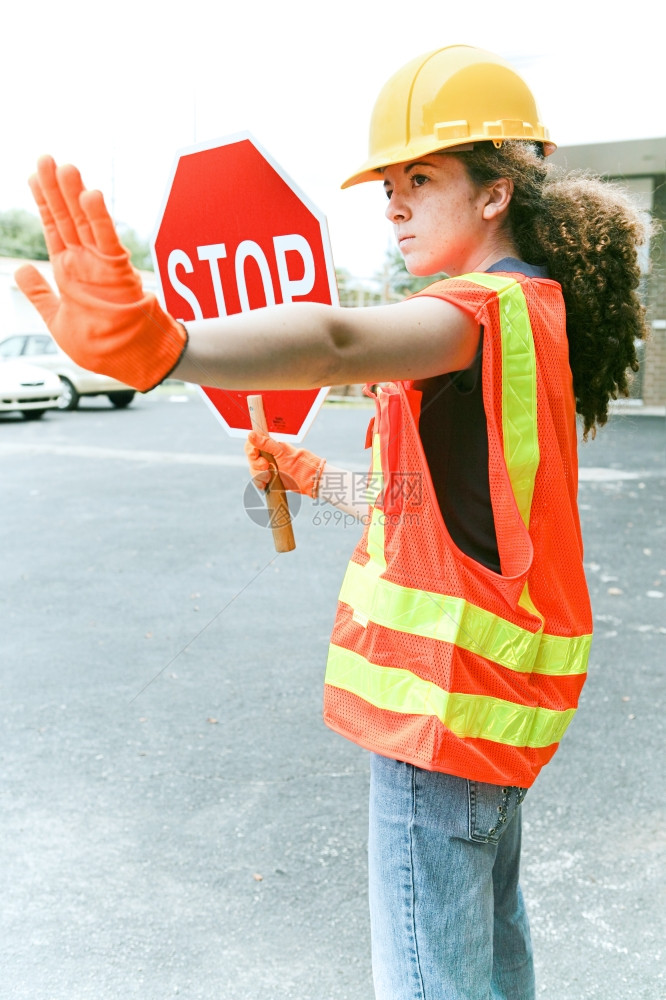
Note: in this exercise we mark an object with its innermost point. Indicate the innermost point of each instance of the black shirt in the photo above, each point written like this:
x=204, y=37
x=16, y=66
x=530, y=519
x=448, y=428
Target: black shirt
x=454, y=433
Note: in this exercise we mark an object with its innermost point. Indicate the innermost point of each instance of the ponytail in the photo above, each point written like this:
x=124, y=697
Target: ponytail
x=587, y=233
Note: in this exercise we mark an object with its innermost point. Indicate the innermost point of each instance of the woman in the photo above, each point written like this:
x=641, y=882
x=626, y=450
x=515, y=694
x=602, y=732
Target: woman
x=463, y=627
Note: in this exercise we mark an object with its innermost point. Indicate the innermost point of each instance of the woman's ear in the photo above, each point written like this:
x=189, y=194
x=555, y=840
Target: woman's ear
x=498, y=197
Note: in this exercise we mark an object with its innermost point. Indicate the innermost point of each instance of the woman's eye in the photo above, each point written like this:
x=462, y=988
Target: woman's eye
x=418, y=179
x=388, y=193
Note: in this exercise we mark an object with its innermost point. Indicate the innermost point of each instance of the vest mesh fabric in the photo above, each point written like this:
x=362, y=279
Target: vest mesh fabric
x=420, y=555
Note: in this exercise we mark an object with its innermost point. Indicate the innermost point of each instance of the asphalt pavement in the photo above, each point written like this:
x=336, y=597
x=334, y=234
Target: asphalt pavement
x=177, y=820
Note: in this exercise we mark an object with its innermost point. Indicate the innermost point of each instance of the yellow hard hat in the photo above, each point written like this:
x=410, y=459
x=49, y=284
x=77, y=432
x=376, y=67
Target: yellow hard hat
x=449, y=97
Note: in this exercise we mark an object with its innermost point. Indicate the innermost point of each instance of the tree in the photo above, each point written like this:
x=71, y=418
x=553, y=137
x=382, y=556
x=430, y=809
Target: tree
x=21, y=235
x=392, y=284
x=396, y=279
x=139, y=249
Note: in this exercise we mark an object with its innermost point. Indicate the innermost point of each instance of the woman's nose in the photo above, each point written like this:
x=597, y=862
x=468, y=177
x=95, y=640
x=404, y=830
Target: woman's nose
x=396, y=210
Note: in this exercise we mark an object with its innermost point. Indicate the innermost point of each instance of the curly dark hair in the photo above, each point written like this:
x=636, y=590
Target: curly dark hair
x=587, y=232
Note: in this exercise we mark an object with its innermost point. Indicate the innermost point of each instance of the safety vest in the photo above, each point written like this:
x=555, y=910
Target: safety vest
x=435, y=659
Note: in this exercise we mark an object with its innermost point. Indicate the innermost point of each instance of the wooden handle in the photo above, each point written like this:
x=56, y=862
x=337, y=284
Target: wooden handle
x=276, y=498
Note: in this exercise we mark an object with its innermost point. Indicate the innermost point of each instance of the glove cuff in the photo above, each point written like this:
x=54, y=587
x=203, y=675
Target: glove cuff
x=316, y=478
x=150, y=357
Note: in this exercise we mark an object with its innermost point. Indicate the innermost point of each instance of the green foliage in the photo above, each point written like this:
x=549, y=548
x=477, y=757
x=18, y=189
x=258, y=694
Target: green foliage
x=354, y=292
x=398, y=279
x=392, y=284
x=21, y=235
x=139, y=249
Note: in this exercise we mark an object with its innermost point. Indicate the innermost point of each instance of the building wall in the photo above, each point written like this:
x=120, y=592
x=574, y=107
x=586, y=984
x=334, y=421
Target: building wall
x=654, y=375
x=17, y=314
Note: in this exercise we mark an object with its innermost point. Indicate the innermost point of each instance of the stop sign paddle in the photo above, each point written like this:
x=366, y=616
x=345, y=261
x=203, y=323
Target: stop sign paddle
x=234, y=234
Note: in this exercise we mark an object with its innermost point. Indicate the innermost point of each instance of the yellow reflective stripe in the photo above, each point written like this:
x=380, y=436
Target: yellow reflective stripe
x=520, y=433
x=455, y=620
x=525, y=601
x=375, y=545
x=561, y=655
x=465, y=715
x=519, y=416
x=375, y=483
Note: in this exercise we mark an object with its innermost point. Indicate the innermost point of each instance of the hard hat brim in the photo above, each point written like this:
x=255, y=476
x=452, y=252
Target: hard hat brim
x=372, y=169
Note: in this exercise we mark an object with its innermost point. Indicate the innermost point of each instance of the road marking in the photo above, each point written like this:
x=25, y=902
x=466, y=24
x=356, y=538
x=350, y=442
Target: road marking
x=133, y=455
x=122, y=454
x=589, y=474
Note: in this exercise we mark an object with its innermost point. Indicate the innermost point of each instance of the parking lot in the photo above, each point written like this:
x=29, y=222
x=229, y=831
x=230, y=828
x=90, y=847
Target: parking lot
x=176, y=818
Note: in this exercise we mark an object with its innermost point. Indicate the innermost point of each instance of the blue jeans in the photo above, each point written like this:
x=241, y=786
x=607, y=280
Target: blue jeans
x=447, y=915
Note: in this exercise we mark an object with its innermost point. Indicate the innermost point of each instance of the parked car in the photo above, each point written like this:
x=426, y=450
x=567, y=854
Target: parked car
x=28, y=389
x=41, y=349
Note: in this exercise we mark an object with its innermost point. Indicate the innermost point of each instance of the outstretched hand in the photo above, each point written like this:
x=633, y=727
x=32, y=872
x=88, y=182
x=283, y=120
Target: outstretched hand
x=102, y=318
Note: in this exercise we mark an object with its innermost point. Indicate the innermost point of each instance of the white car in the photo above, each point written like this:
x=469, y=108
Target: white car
x=28, y=389
x=41, y=349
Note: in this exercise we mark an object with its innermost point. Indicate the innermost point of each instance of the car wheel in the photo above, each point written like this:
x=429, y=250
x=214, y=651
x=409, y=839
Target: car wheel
x=122, y=399
x=70, y=397
x=33, y=414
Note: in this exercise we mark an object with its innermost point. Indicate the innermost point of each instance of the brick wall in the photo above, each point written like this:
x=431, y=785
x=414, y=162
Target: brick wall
x=654, y=370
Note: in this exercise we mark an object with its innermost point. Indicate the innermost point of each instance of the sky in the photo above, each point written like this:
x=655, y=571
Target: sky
x=118, y=88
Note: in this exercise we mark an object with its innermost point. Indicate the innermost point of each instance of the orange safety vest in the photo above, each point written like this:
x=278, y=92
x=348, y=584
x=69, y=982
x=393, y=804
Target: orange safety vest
x=434, y=658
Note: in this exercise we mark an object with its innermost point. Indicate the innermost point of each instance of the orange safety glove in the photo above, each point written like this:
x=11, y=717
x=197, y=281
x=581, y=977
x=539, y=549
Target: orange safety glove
x=300, y=470
x=102, y=318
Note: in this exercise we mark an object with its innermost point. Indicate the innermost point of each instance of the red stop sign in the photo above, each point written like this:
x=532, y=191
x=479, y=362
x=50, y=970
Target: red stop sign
x=235, y=233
